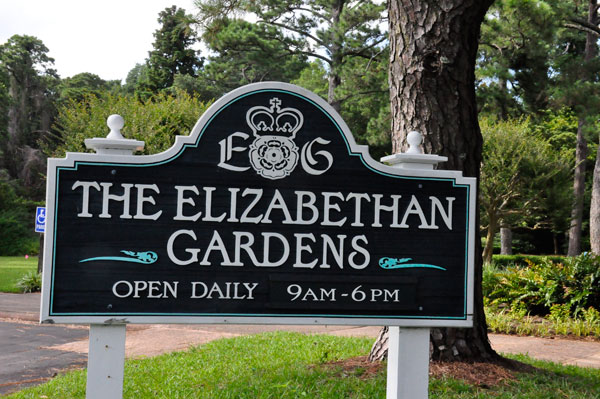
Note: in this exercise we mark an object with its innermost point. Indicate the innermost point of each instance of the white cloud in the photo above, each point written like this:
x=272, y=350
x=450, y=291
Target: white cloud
x=103, y=37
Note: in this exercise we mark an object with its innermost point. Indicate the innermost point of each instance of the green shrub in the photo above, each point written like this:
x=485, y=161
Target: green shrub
x=16, y=221
x=156, y=121
x=540, y=287
x=521, y=260
x=30, y=282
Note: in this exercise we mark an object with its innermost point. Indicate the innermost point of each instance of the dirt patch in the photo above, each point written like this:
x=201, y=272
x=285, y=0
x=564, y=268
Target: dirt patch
x=483, y=375
x=356, y=366
x=480, y=374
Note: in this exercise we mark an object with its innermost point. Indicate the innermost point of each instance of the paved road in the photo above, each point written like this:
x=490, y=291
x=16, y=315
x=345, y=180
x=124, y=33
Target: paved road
x=24, y=359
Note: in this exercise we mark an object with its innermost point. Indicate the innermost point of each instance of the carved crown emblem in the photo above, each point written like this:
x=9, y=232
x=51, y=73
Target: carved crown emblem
x=274, y=121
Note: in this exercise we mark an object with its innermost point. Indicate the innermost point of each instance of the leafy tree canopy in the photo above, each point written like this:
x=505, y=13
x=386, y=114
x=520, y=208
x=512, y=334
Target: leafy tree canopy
x=244, y=53
x=173, y=51
x=156, y=121
x=524, y=181
x=331, y=31
x=77, y=87
x=28, y=74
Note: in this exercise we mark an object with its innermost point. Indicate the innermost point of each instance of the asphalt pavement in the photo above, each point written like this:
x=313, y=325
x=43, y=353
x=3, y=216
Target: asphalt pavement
x=25, y=356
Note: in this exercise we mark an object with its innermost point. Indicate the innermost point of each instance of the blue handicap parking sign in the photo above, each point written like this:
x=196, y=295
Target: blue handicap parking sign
x=40, y=219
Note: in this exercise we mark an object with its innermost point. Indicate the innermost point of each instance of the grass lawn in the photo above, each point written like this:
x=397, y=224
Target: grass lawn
x=292, y=365
x=12, y=268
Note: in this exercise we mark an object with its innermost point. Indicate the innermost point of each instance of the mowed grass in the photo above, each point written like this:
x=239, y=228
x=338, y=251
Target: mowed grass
x=293, y=365
x=12, y=268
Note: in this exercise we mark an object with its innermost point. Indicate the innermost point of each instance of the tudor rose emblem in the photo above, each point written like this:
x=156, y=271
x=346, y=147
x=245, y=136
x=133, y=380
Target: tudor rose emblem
x=273, y=154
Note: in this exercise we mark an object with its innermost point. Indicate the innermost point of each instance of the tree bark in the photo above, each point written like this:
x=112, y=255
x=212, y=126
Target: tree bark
x=40, y=266
x=595, y=207
x=591, y=50
x=488, y=251
x=506, y=241
x=578, y=192
x=433, y=46
x=336, y=56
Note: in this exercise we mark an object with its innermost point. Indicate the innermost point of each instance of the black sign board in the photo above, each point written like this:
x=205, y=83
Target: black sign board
x=267, y=213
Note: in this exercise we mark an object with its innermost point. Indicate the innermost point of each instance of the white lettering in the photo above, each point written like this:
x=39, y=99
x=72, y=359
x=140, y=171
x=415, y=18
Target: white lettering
x=106, y=197
x=310, y=205
x=216, y=243
x=202, y=286
x=208, y=207
x=85, y=202
x=122, y=282
x=258, y=195
x=361, y=250
x=446, y=215
x=227, y=150
x=414, y=208
x=277, y=202
x=267, y=250
x=338, y=254
x=182, y=200
x=327, y=206
x=308, y=160
x=141, y=199
x=300, y=248
x=246, y=246
x=193, y=252
x=358, y=197
x=391, y=208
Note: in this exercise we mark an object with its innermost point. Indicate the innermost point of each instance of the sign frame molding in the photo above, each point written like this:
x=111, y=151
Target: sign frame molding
x=72, y=160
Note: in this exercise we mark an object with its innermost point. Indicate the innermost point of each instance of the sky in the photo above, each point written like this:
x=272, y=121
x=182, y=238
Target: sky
x=106, y=37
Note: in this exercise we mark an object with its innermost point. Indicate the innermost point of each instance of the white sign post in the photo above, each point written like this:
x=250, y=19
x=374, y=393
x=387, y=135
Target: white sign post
x=106, y=355
x=408, y=348
x=106, y=362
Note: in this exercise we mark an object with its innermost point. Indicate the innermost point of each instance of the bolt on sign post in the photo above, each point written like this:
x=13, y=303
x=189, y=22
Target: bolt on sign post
x=267, y=213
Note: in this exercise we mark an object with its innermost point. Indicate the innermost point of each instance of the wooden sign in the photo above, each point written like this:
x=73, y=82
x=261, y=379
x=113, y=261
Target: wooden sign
x=268, y=212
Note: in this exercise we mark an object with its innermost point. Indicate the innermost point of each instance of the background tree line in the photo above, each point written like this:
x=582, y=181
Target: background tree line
x=537, y=92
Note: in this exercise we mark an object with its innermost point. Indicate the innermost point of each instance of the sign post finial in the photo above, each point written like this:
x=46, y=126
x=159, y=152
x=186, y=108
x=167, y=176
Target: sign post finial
x=114, y=143
x=414, y=158
x=115, y=123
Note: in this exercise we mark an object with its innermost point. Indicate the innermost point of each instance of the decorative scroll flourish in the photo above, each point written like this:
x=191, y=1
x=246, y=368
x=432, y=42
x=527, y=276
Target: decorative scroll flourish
x=400, y=263
x=146, y=258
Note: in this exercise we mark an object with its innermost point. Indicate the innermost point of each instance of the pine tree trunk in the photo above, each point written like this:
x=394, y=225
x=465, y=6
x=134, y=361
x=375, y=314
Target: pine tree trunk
x=334, y=79
x=505, y=241
x=488, y=251
x=591, y=50
x=578, y=193
x=595, y=208
x=433, y=46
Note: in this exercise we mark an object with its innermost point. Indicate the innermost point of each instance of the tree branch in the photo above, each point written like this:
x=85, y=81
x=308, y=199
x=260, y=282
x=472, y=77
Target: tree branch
x=313, y=12
x=360, y=53
x=301, y=32
x=361, y=93
x=582, y=28
x=308, y=53
x=583, y=25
